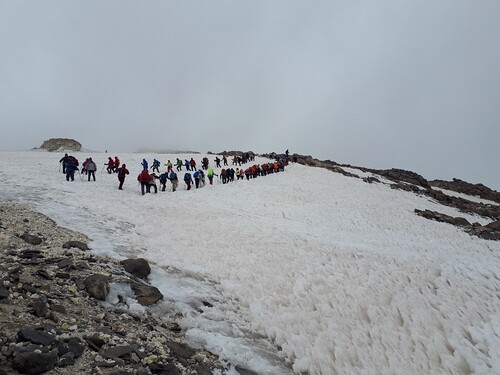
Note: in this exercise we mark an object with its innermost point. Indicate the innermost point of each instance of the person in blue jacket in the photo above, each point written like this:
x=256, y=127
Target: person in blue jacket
x=196, y=176
x=144, y=164
x=71, y=167
x=174, y=180
x=187, y=165
x=188, y=180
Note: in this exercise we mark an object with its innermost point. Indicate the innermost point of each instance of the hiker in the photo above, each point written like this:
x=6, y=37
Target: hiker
x=64, y=160
x=122, y=172
x=117, y=164
x=163, y=181
x=224, y=159
x=84, y=165
x=187, y=165
x=145, y=179
x=188, y=180
x=174, y=180
x=156, y=165
x=204, y=163
x=217, y=162
x=192, y=164
x=178, y=165
x=71, y=167
x=223, y=176
x=111, y=165
x=211, y=174
x=90, y=167
x=144, y=164
x=169, y=166
x=202, y=178
x=197, y=178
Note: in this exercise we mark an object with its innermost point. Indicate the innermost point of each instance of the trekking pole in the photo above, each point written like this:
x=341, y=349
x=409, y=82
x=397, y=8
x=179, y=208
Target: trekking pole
x=102, y=169
x=59, y=167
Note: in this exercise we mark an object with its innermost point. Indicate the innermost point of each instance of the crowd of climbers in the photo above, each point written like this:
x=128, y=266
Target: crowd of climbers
x=147, y=180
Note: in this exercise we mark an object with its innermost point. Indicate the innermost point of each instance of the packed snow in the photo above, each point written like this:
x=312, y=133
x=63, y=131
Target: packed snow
x=304, y=271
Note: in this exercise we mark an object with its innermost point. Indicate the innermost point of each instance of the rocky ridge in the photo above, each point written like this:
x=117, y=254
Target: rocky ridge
x=52, y=316
x=61, y=144
x=413, y=182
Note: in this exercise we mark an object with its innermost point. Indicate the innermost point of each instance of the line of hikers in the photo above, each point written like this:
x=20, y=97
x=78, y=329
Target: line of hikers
x=147, y=180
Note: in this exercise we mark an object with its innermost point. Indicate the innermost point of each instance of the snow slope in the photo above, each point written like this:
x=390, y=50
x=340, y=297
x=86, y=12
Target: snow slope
x=307, y=271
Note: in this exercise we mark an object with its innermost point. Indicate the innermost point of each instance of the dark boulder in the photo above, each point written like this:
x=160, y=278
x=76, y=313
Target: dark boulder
x=35, y=336
x=31, y=239
x=146, y=295
x=495, y=225
x=78, y=244
x=34, y=363
x=97, y=286
x=138, y=267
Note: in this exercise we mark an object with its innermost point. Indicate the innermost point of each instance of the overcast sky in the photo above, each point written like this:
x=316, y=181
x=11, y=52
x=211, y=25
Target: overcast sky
x=406, y=84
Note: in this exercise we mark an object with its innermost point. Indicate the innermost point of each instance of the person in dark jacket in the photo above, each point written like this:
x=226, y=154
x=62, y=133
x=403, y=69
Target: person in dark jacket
x=163, y=181
x=71, y=167
x=188, y=180
x=64, y=160
x=122, y=172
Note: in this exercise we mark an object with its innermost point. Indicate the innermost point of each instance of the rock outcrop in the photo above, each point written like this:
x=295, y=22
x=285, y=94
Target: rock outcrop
x=464, y=187
x=53, y=320
x=61, y=144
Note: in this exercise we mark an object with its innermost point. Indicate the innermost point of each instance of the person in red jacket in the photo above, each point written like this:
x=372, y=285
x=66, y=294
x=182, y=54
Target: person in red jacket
x=145, y=179
x=122, y=172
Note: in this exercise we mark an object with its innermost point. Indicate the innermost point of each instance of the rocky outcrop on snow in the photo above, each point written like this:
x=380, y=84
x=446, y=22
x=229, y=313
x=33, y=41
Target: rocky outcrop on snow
x=52, y=316
x=61, y=144
x=464, y=187
x=487, y=232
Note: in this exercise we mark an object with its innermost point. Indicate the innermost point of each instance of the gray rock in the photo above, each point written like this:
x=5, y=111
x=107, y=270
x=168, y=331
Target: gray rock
x=146, y=295
x=97, y=286
x=4, y=292
x=117, y=351
x=31, y=239
x=460, y=221
x=495, y=225
x=67, y=359
x=138, y=267
x=75, y=346
x=167, y=369
x=34, y=363
x=64, y=263
x=78, y=244
x=181, y=351
x=36, y=336
x=40, y=308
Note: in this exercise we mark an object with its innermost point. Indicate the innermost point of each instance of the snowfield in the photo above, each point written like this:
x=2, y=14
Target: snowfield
x=305, y=271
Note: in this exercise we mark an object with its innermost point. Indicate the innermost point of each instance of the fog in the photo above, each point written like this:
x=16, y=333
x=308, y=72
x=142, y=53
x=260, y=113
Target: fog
x=406, y=84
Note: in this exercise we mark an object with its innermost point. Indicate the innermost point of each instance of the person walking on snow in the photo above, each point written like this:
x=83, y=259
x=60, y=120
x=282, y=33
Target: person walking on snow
x=122, y=172
x=90, y=167
x=156, y=165
x=188, y=180
x=174, y=180
x=169, y=166
x=117, y=164
x=64, y=160
x=178, y=165
x=224, y=159
x=145, y=179
x=111, y=165
x=217, y=162
x=144, y=164
x=71, y=167
x=211, y=174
